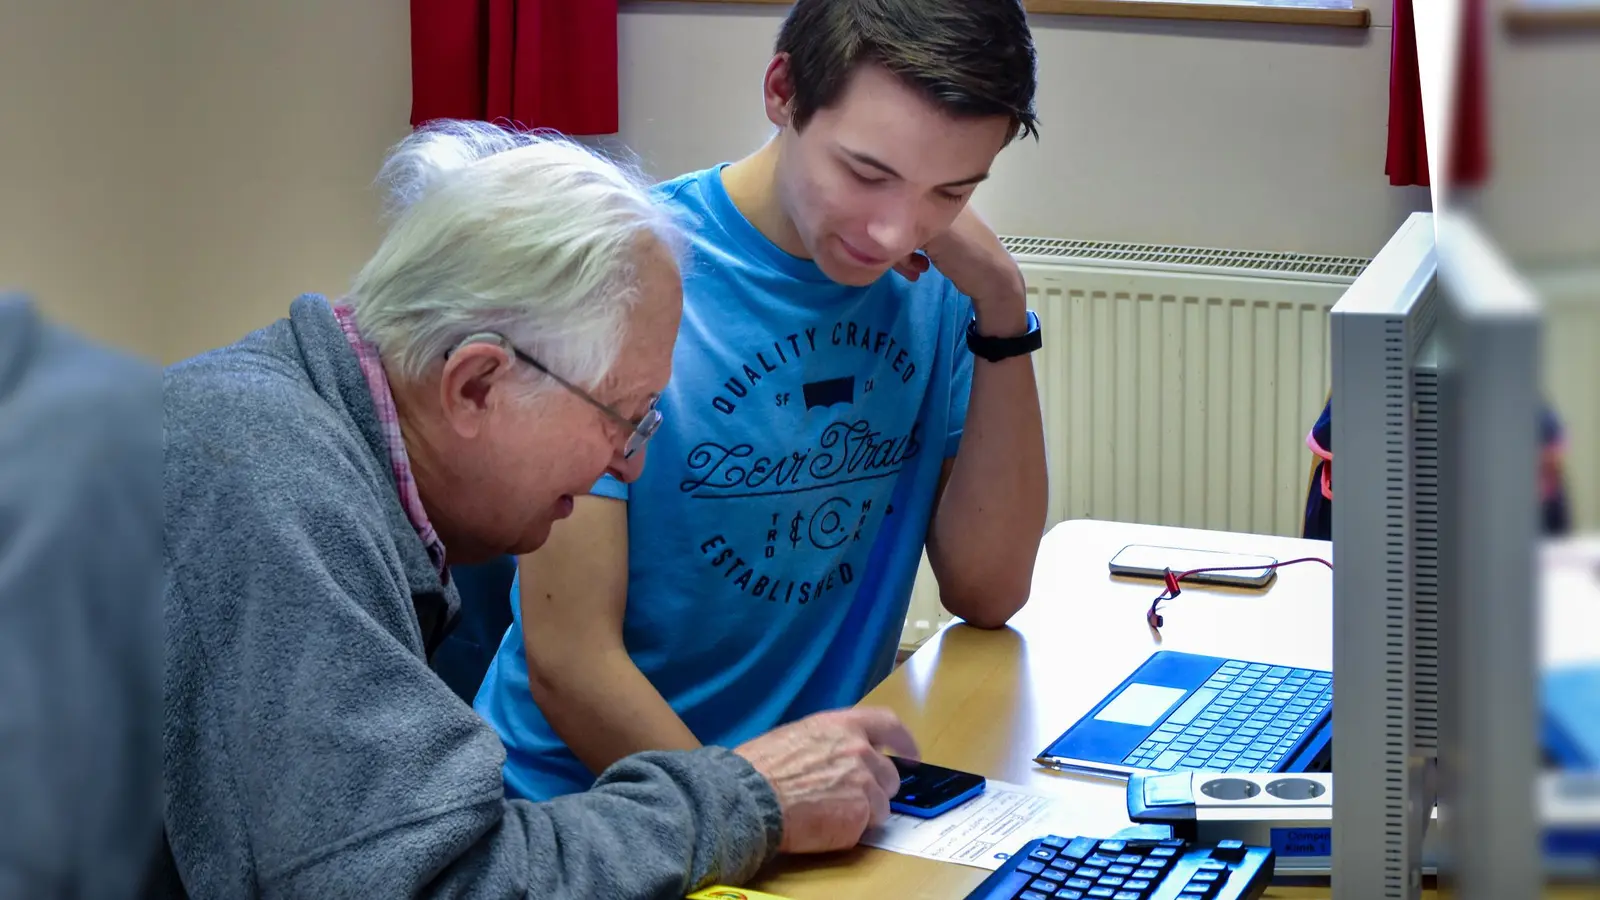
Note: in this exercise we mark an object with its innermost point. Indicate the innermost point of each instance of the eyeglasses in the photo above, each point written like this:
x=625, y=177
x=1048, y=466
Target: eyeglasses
x=639, y=430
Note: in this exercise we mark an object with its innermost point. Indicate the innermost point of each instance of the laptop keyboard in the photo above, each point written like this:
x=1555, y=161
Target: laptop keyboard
x=1059, y=868
x=1245, y=718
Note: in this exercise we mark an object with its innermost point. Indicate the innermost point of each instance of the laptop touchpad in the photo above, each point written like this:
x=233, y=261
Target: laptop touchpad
x=1140, y=704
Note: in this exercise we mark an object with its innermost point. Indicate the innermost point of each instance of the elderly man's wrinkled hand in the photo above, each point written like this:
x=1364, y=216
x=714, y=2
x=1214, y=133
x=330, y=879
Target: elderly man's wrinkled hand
x=831, y=776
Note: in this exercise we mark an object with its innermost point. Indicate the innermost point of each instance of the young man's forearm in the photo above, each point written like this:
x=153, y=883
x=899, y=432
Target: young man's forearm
x=590, y=691
x=985, y=534
x=605, y=709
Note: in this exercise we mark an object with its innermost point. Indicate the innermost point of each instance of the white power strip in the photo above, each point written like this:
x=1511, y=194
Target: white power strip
x=1293, y=814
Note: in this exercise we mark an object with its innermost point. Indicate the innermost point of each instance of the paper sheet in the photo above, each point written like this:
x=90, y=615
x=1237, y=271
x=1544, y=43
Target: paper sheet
x=982, y=832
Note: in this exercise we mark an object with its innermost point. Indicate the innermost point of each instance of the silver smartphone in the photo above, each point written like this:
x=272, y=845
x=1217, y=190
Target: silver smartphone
x=1147, y=561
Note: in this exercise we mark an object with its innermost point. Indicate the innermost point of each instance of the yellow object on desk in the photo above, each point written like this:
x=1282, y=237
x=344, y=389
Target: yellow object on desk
x=723, y=892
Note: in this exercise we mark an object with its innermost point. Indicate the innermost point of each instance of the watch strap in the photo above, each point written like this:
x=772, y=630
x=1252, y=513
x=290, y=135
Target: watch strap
x=995, y=349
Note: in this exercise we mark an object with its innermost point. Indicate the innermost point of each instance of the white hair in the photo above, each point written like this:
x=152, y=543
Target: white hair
x=527, y=234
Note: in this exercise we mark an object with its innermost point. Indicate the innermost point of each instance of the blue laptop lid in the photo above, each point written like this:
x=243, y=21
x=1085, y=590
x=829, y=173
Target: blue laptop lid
x=1572, y=716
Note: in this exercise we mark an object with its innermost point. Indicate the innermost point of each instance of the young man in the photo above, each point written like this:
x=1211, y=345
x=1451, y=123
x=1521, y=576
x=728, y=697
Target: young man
x=821, y=428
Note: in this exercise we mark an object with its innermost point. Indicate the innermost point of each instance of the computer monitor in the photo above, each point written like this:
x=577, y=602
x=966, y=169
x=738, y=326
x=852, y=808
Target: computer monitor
x=1385, y=565
x=1490, y=713
x=1435, y=367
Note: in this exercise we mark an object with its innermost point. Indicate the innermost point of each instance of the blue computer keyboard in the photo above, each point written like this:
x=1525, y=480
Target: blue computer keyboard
x=1245, y=718
x=1057, y=868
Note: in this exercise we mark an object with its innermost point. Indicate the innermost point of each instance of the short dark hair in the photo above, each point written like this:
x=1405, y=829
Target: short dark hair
x=970, y=57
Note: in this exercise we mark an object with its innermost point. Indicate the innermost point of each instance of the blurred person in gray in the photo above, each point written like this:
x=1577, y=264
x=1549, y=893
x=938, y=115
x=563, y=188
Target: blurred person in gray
x=80, y=639
x=501, y=350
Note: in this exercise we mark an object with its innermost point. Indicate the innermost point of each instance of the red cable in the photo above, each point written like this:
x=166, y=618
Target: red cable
x=1175, y=580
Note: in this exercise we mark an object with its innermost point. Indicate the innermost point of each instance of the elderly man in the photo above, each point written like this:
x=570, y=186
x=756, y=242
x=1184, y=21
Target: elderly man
x=500, y=352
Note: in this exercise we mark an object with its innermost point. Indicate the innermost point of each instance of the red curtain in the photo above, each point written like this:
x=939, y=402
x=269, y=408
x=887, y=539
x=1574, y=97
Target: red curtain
x=535, y=63
x=1470, y=162
x=1407, y=162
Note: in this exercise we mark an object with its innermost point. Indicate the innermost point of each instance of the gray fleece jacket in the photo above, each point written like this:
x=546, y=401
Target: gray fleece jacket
x=309, y=751
x=80, y=620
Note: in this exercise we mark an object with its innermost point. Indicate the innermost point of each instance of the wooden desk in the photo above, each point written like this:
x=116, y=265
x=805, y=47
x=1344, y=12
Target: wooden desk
x=1080, y=635
x=989, y=701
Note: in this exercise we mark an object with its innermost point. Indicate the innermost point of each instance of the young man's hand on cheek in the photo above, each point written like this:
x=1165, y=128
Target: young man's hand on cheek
x=970, y=254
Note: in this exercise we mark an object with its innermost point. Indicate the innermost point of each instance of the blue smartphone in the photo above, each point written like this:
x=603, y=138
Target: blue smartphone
x=928, y=790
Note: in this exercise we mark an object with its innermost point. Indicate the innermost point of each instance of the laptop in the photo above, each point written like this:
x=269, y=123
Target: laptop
x=1184, y=711
x=1189, y=712
x=1571, y=700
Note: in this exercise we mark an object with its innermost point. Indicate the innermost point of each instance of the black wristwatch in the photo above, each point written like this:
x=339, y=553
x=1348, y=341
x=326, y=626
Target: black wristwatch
x=995, y=349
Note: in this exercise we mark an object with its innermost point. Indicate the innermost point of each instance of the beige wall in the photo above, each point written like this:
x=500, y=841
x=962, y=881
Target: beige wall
x=1543, y=200
x=80, y=205
x=286, y=110
x=169, y=182
x=274, y=115
x=200, y=170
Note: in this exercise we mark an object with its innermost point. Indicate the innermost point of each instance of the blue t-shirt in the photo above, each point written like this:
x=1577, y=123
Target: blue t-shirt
x=778, y=526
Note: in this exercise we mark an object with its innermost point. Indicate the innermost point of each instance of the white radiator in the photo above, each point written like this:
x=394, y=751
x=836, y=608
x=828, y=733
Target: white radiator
x=1177, y=385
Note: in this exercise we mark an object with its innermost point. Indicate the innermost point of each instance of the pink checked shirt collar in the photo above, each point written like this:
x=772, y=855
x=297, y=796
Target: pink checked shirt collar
x=389, y=419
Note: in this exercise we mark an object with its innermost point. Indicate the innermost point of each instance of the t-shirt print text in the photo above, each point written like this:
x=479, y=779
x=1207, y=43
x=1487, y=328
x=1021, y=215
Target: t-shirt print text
x=819, y=425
